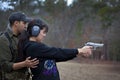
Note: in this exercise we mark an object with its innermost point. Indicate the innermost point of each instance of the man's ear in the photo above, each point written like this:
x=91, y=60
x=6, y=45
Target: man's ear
x=16, y=22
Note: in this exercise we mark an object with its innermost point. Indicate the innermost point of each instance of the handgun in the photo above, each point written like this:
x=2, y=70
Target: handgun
x=95, y=45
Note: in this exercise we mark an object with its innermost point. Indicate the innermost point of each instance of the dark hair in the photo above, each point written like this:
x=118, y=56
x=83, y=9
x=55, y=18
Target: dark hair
x=18, y=16
x=25, y=35
x=23, y=38
x=36, y=22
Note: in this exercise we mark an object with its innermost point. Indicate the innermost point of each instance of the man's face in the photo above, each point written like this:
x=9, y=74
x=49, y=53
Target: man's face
x=21, y=25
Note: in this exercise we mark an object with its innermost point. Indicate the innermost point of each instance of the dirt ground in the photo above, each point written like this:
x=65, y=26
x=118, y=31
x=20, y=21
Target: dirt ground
x=73, y=70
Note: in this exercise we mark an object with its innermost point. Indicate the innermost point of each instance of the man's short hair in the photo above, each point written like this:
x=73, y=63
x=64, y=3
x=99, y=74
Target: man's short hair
x=18, y=16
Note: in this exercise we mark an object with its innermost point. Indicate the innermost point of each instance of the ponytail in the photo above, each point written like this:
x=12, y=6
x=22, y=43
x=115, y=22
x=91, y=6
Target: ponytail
x=24, y=37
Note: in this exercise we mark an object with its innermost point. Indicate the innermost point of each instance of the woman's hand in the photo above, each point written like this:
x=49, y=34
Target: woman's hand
x=85, y=51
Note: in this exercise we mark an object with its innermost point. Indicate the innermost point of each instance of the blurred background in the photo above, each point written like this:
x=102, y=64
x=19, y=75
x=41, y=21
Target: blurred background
x=72, y=23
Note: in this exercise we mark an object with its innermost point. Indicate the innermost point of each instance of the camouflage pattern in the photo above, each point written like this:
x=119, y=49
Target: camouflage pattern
x=6, y=61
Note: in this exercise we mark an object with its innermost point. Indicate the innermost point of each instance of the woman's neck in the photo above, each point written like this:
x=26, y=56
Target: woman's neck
x=32, y=39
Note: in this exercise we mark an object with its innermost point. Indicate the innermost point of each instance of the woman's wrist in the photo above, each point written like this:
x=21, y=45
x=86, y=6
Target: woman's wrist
x=79, y=51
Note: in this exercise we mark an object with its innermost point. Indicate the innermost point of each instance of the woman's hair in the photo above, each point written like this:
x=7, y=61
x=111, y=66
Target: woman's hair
x=36, y=22
x=25, y=35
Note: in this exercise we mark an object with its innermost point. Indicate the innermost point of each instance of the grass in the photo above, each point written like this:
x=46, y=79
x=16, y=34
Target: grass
x=88, y=71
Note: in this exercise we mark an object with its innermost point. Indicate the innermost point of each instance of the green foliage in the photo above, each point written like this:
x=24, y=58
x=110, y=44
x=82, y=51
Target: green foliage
x=106, y=12
x=106, y=21
x=98, y=5
x=79, y=27
x=103, y=11
x=61, y=5
x=49, y=5
x=55, y=7
x=115, y=51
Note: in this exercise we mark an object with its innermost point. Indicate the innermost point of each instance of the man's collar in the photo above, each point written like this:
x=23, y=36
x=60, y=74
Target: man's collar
x=9, y=31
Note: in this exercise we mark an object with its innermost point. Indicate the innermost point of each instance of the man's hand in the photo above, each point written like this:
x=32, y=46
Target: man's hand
x=32, y=63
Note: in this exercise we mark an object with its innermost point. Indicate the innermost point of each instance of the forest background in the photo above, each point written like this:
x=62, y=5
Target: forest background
x=75, y=24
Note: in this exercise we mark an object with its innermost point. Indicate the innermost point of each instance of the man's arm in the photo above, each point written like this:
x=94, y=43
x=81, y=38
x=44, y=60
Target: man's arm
x=6, y=57
x=27, y=63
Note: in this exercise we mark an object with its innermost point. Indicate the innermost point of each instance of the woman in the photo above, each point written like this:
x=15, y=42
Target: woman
x=31, y=44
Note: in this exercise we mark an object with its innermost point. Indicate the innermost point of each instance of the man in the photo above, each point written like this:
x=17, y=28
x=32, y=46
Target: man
x=11, y=68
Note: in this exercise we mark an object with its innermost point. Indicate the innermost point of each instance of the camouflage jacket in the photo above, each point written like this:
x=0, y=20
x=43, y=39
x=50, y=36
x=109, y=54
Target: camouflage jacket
x=7, y=59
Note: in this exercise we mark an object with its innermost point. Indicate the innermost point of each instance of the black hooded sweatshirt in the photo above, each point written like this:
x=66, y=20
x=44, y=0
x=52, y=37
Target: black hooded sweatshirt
x=48, y=56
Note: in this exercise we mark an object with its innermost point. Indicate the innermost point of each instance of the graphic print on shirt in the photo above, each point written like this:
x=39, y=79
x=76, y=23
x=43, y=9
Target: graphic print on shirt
x=49, y=68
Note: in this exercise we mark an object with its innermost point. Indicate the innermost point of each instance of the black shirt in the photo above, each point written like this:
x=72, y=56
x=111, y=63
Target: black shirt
x=48, y=56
